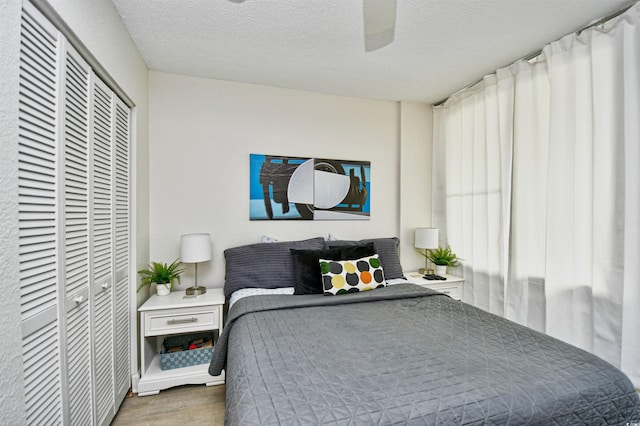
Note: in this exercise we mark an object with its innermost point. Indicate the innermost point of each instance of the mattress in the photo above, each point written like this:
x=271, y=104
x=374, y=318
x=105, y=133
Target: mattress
x=406, y=355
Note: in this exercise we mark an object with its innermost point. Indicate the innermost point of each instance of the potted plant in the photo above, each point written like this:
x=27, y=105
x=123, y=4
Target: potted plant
x=442, y=257
x=162, y=275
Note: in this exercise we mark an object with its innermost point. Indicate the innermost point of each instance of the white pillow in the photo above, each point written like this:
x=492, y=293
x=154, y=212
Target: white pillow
x=395, y=281
x=246, y=292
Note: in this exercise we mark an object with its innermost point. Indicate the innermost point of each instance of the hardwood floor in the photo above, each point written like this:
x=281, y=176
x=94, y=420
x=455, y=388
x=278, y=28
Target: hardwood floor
x=190, y=404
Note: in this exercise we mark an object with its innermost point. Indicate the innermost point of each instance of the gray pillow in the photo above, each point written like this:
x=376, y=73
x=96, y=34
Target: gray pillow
x=263, y=265
x=387, y=249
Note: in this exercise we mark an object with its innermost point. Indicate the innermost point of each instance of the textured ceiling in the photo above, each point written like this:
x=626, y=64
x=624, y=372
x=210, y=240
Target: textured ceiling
x=317, y=45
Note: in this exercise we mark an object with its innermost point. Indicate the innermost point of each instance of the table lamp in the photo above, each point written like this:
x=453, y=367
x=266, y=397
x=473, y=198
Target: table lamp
x=426, y=238
x=195, y=248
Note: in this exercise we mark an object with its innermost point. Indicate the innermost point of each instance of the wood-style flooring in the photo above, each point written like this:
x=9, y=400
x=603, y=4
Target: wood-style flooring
x=187, y=405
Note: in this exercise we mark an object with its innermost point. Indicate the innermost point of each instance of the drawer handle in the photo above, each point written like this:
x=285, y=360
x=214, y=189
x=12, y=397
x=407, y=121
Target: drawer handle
x=182, y=321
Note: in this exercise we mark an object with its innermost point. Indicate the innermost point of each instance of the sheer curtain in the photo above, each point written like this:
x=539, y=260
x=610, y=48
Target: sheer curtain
x=537, y=188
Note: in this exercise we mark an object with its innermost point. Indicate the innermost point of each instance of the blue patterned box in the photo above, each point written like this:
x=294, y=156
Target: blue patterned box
x=186, y=357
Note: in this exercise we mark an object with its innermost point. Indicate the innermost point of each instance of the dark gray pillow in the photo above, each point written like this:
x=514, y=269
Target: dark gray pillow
x=387, y=249
x=263, y=265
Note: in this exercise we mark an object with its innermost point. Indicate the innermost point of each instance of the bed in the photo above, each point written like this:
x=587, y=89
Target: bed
x=399, y=354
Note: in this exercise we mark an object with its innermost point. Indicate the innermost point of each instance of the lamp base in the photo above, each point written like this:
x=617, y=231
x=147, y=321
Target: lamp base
x=196, y=291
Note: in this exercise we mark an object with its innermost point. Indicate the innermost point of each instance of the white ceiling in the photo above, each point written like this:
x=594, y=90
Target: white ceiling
x=317, y=45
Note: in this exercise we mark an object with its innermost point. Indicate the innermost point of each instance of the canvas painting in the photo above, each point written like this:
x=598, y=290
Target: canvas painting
x=298, y=188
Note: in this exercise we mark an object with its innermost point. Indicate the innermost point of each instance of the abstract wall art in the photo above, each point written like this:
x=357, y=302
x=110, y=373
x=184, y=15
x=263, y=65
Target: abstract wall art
x=297, y=188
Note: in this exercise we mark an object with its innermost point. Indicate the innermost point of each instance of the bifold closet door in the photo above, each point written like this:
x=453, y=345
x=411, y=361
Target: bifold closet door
x=102, y=250
x=38, y=218
x=122, y=190
x=74, y=233
x=75, y=157
x=96, y=217
x=110, y=250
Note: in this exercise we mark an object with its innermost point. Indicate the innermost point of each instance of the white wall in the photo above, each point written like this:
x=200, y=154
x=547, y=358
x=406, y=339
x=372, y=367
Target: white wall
x=98, y=25
x=202, y=132
x=11, y=383
x=416, y=125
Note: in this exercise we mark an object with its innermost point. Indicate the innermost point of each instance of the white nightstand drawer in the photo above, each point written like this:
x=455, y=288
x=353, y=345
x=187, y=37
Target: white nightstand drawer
x=452, y=291
x=170, y=321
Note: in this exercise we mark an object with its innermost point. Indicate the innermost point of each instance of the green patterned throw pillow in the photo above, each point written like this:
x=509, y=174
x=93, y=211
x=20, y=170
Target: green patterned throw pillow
x=349, y=276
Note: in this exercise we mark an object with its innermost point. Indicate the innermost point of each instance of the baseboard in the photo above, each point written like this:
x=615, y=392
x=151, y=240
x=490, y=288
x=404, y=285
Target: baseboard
x=135, y=378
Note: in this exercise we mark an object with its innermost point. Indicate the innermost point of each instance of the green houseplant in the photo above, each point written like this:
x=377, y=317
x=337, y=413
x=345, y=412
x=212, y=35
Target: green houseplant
x=162, y=275
x=442, y=257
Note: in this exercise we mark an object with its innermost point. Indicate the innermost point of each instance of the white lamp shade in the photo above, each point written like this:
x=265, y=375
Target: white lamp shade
x=195, y=248
x=426, y=238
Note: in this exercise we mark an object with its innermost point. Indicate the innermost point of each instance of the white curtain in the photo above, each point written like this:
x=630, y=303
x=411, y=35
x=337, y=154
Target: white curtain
x=525, y=291
x=537, y=188
x=471, y=188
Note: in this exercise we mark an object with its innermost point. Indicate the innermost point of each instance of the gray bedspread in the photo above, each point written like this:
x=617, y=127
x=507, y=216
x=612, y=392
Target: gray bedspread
x=406, y=355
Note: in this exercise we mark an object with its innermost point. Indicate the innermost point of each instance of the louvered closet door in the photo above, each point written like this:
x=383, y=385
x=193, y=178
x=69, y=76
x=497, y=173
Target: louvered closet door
x=76, y=136
x=102, y=248
x=122, y=231
x=74, y=233
x=38, y=218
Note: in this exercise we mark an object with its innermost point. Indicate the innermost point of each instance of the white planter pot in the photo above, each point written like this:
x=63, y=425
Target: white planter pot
x=441, y=269
x=163, y=289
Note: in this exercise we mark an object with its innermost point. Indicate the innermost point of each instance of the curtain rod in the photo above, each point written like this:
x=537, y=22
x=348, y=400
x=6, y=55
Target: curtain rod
x=539, y=52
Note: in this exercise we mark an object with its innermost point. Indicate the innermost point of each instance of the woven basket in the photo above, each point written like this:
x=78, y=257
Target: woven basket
x=186, y=357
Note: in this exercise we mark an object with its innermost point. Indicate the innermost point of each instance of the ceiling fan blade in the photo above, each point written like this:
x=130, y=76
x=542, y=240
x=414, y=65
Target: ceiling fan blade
x=379, y=23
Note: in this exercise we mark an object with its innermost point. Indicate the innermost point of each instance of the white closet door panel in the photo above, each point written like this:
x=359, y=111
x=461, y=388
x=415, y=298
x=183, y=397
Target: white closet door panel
x=76, y=131
x=101, y=184
x=42, y=376
x=122, y=340
x=78, y=364
x=122, y=188
x=37, y=193
x=121, y=306
x=76, y=174
x=102, y=248
x=103, y=355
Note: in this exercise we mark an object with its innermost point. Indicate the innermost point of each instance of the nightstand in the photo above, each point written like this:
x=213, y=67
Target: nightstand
x=175, y=314
x=453, y=286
